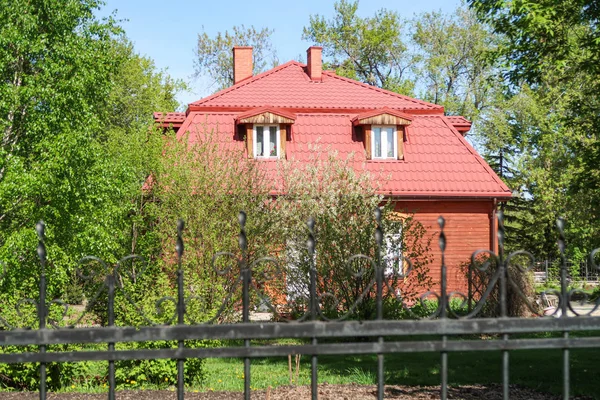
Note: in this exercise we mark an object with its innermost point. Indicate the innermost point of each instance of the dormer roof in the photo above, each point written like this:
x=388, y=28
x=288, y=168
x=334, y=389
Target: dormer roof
x=383, y=116
x=169, y=120
x=460, y=123
x=266, y=115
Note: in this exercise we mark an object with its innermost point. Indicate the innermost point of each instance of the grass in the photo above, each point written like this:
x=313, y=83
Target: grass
x=538, y=369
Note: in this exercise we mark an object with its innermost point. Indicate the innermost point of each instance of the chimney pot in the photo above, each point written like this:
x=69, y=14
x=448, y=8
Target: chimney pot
x=314, y=63
x=242, y=63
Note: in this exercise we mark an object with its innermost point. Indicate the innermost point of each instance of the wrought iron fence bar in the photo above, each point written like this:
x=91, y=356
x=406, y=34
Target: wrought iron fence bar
x=503, y=264
x=379, y=276
x=179, y=248
x=320, y=349
x=246, y=273
x=311, y=244
x=560, y=224
x=300, y=330
x=112, y=383
x=443, y=312
x=41, y=251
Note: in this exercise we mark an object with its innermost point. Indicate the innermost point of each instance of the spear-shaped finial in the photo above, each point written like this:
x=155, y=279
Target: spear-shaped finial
x=378, y=230
x=560, y=224
x=501, y=232
x=179, y=246
x=242, y=240
x=311, y=235
x=442, y=239
x=40, y=227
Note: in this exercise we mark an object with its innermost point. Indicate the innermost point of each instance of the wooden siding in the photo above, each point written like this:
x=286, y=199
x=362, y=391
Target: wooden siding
x=367, y=135
x=249, y=140
x=400, y=140
x=282, y=140
x=467, y=229
x=266, y=118
x=383, y=119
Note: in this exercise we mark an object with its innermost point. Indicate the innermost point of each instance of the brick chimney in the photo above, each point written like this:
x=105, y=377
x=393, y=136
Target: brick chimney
x=242, y=63
x=314, y=65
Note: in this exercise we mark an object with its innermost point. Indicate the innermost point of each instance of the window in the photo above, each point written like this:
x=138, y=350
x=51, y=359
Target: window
x=393, y=260
x=266, y=141
x=383, y=142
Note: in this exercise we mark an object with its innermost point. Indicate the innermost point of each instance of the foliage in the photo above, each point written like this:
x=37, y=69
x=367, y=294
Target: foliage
x=368, y=49
x=342, y=203
x=483, y=270
x=56, y=69
x=75, y=111
x=450, y=64
x=90, y=375
x=207, y=187
x=545, y=36
x=215, y=58
x=549, y=57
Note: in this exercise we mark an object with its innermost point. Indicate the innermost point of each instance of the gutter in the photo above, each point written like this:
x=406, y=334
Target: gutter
x=422, y=197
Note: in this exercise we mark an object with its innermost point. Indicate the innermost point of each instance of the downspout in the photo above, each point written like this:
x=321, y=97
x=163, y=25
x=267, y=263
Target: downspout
x=493, y=235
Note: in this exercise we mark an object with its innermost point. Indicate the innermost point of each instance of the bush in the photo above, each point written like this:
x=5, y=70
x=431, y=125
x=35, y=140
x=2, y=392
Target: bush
x=482, y=270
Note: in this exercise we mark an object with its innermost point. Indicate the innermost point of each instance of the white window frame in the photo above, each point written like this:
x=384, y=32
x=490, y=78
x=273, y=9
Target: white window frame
x=394, y=257
x=266, y=128
x=384, y=143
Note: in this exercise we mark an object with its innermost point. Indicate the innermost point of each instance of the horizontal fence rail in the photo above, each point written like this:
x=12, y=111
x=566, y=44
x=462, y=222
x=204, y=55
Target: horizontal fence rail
x=453, y=322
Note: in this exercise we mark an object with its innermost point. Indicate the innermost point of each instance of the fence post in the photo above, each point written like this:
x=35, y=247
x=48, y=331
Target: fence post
x=443, y=312
x=41, y=251
x=110, y=284
x=560, y=224
x=379, y=279
x=180, y=308
x=311, y=242
x=503, y=266
x=246, y=277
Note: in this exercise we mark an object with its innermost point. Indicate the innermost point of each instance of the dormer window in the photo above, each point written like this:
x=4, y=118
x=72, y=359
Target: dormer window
x=384, y=142
x=383, y=132
x=266, y=131
x=266, y=141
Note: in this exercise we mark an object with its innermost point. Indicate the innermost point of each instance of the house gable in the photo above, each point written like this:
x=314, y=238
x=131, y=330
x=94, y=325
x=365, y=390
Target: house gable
x=289, y=87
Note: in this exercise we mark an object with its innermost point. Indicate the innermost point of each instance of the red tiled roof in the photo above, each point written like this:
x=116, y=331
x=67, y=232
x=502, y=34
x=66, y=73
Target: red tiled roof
x=169, y=117
x=461, y=124
x=167, y=120
x=288, y=86
x=438, y=160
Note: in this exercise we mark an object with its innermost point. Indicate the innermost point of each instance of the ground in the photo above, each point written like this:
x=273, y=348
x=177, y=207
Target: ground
x=326, y=392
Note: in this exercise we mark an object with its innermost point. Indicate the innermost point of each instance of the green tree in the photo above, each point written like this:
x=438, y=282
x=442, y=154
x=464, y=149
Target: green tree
x=74, y=152
x=207, y=187
x=368, y=49
x=451, y=67
x=214, y=56
x=549, y=55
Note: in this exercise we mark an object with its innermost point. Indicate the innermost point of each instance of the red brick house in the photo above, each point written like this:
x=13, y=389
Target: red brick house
x=432, y=170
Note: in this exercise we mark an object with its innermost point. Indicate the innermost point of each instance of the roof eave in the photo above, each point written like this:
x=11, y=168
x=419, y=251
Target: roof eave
x=500, y=196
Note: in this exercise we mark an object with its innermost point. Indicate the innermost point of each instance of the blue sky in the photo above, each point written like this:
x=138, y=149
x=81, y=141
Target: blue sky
x=167, y=31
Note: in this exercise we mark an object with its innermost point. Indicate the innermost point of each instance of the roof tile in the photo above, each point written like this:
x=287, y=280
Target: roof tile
x=288, y=86
x=438, y=162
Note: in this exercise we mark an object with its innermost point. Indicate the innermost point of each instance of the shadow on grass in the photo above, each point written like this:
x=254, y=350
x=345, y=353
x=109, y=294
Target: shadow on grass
x=540, y=370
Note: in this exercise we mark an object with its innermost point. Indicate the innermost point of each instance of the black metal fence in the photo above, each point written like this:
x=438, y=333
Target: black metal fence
x=445, y=323
x=579, y=272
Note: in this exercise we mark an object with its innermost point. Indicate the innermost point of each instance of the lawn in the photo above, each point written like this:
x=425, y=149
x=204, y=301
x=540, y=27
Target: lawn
x=537, y=369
